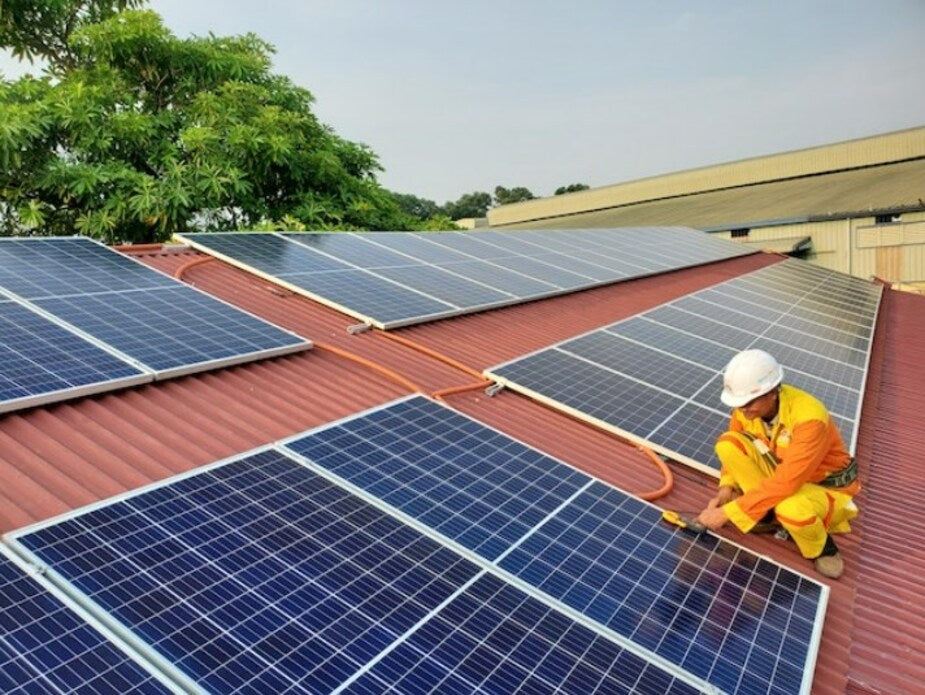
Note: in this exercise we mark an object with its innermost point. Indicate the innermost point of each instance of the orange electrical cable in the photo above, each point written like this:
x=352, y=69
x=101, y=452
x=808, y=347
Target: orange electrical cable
x=181, y=271
x=439, y=356
x=666, y=471
x=439, y=395
x=369, y=364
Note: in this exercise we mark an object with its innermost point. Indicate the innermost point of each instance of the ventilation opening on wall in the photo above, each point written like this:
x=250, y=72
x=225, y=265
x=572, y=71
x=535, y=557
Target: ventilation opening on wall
x=740, y=233
x=889, y=218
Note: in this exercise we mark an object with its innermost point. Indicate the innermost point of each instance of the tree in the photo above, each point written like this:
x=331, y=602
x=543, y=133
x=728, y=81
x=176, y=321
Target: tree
x=473, y=204
x=504, y=196
x=572, y=188
x=134, y=134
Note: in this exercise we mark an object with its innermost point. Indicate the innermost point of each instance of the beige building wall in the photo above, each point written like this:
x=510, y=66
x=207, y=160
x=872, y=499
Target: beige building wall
x=894, y=252
x=851, y=154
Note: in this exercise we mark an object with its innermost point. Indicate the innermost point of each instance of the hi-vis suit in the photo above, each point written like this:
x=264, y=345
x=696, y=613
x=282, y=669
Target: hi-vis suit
x=801, y=470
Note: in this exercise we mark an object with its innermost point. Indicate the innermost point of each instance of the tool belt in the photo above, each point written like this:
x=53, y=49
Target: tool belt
x=842, y=478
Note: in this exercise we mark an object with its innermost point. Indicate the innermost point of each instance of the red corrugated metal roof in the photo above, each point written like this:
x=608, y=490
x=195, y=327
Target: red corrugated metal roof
x=61, y=457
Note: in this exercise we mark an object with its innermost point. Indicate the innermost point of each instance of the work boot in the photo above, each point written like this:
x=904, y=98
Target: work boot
x=829, y=563
x=830, y=566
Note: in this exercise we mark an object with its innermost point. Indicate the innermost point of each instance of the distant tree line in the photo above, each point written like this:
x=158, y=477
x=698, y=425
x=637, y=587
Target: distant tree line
x=475, y=204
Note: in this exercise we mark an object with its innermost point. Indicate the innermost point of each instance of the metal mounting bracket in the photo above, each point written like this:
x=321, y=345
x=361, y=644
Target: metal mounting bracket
x=494, y=389
x=358, y=328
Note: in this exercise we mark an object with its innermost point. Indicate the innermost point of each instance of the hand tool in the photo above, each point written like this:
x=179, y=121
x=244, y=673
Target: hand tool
x=684, y=522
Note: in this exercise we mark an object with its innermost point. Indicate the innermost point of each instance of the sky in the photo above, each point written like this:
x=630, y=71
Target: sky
x=462, y=96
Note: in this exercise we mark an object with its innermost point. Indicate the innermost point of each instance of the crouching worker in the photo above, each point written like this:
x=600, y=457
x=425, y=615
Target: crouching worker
x=782, y=460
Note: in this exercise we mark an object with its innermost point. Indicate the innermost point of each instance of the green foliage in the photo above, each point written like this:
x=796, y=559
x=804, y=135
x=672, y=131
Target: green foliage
x=473, y=204
x=41, y=28
x=135, y=134
x=505, y=196
x=571, y=188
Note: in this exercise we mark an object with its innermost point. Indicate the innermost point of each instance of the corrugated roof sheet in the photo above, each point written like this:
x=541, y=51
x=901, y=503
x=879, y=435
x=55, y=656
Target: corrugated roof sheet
x=58, y=458
x=849, y=193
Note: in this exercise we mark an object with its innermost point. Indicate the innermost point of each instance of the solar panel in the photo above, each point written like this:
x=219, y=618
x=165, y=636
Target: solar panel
x=150, y=320
x=656, y=377
x=595, y=549
x=495, y=638
x=46, y=646
x=469, y=483
x=41, y=362
x=258, y=575
x=392, y=279
x=742, y=623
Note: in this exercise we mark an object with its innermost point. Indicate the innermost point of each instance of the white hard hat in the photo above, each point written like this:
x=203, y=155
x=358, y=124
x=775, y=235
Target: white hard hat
x=749, y=374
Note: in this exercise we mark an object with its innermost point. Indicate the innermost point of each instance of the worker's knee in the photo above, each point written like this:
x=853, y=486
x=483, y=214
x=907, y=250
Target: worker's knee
x=795, y=509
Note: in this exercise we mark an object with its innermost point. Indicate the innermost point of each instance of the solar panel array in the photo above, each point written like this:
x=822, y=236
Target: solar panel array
x=47, y=647
x=410, y=547
x=81, y=318
x=656, y=377
x=392, y=279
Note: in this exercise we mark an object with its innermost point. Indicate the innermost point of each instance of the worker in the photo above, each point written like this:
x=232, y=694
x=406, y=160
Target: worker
x=782, y=462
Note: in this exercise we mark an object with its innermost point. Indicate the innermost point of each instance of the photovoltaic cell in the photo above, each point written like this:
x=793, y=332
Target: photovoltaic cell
x=53, y=266
x=387, y=299
x=656, y=377
x=170, y=328
x=260, y=575
x=38, y=359
x=490, y=268
x=738, y=621
x=494, y=638
x=597, y=550
x=464, y=480
x=255, y=576
x=100, y=299
x=45, y=647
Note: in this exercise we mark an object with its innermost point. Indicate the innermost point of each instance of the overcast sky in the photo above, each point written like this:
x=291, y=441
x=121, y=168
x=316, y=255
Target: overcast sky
x=463, y=95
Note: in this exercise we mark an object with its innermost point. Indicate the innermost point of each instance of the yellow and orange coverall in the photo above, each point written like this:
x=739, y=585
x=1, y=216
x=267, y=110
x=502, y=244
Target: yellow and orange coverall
x=806, y=448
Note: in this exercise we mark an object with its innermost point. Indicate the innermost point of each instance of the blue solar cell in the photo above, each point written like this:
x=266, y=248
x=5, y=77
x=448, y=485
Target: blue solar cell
x=698, y=601
x=39, y=358
x=625, y=370
x=468, y=482
x=417, y=246
x=675, y=342
x=47, y=648
x=501, y=278
x=256, y=575
x=624, y=403
x=445, y=286
x=667, y=372
x=469, y=245
x=45, y=267
x=269, y=253
x=170, y=328
x=351, y=248
x=387, y=301
x=495, y=638
x=503, y=266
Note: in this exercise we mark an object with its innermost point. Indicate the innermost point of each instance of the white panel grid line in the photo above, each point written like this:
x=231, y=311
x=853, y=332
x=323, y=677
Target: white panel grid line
x=188, y=598
x=79, y=618
x=494, y=567
x=551, y=271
